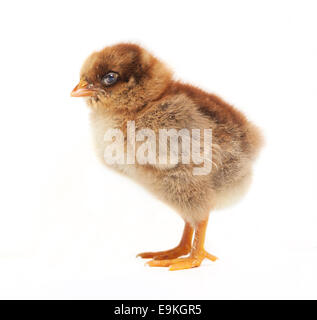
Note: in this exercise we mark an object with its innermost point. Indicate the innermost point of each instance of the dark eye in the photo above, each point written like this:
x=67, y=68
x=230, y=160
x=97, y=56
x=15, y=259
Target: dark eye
x=110, y=78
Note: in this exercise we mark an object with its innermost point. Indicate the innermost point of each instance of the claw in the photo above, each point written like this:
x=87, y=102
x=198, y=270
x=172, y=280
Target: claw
x=210, y=256
x=165, y=255
x=161, y=263
x=186, y=264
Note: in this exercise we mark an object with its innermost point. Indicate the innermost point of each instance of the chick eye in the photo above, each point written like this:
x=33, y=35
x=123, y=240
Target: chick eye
x=110, y=78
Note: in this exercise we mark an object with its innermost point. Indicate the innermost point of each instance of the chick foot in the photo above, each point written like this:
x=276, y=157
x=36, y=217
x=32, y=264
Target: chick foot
x=197, y=255
x=168, y=254
x=182, y=249
x=194, y=260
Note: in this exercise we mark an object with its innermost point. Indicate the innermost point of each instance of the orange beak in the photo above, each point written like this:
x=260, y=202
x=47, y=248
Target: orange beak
x=83, y=89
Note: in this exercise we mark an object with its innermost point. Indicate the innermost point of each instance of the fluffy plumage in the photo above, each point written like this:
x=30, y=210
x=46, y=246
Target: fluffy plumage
x=147, y=94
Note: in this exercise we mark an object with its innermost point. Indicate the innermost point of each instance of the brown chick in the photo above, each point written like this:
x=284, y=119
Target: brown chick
x=125, y=83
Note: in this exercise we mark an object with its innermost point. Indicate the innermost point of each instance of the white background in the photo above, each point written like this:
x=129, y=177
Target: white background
x=70, y=228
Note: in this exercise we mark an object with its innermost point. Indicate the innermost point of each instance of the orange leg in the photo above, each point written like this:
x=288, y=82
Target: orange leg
x=183, y=248
x=197, y=254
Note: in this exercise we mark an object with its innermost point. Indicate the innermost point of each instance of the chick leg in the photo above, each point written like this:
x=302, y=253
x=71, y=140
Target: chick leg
x=183, y=248
x=197, y=255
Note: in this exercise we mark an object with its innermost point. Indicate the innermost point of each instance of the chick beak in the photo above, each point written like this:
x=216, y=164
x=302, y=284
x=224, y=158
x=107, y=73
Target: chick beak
x=83, y=89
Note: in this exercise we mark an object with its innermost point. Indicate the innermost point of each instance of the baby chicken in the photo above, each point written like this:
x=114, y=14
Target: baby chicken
x=125, y=83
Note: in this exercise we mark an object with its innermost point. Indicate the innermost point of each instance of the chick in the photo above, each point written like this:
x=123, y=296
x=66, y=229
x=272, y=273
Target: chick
x=125, y=83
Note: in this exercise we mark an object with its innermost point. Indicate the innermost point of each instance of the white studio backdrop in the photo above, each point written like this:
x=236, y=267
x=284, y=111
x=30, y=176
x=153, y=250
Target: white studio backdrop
x=70, y=228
